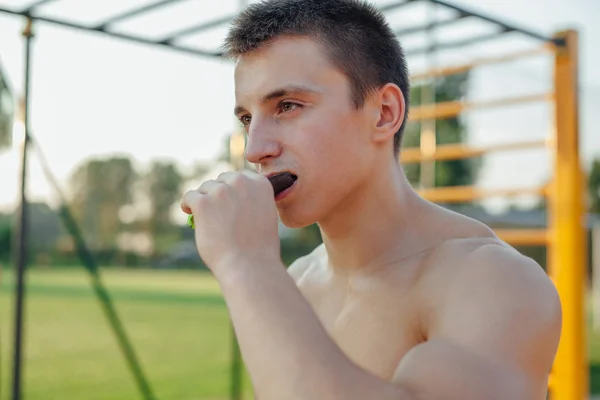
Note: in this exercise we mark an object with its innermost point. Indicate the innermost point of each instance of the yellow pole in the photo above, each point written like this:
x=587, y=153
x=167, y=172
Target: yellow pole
x=567, y=213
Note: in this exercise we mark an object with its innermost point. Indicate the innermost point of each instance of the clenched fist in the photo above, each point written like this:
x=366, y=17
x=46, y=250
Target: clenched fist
x=236, y=221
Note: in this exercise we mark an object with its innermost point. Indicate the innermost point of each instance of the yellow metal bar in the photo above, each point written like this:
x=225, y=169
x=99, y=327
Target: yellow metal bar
x=454, y=108
x=551, y=382
x=566, y=204
x=454, y=194
x=457, y=69
x=457, y=151
x=524, y=237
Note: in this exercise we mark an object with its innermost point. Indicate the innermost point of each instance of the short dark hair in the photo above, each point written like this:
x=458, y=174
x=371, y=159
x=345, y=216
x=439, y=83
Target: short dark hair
x=355, y=34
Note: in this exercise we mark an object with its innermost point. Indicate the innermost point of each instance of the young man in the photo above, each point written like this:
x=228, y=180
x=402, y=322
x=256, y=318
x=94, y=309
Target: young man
x=404, y=300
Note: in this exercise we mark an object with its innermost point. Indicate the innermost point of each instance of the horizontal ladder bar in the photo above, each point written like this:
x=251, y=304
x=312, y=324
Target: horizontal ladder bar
x=456, y=44
x=458, y=69
x=458, y=151
x=454, y=108
x=524, y=237
x=457, y=194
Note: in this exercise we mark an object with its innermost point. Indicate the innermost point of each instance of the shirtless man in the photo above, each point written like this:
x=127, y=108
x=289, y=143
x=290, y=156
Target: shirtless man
x=404, y=300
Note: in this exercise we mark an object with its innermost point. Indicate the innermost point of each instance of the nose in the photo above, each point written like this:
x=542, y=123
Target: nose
x=261, y=145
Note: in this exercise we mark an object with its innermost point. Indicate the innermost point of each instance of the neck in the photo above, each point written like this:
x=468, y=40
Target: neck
x=372, y=226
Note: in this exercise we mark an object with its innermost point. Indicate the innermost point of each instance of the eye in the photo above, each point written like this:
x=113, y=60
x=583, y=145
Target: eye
x=287, y=106
x=245, y=120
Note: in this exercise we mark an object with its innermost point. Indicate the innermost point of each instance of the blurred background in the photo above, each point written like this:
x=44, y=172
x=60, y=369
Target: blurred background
x=116, y=302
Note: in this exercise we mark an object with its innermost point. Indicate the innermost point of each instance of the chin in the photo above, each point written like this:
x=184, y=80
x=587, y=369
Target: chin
x=302, y=214
x=294, y=221
x=296, y=217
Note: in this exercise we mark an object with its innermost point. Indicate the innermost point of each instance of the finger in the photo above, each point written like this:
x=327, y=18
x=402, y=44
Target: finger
x=190, y=200
x=228, y=177
x=252, y=175
x=242, y=175
x=236, y=180
x=184, y=207
x=260, y=180
x=208, y=186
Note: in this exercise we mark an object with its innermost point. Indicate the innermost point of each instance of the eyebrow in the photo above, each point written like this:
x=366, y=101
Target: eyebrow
x=279, y=93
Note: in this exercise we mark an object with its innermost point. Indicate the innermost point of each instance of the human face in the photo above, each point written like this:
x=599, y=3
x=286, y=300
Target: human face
x=298, y=114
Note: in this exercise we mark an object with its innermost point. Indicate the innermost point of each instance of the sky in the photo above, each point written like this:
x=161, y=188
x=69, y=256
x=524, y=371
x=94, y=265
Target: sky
x=92, y=95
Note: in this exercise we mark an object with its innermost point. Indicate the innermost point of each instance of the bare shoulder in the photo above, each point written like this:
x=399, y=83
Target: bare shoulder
x=301, y=266
x=493, y=318
x=496, y=266
x=487, y=268
x=499, y=303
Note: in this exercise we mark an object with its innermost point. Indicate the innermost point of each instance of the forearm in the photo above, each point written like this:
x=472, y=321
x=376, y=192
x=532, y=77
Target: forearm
x=286, y=350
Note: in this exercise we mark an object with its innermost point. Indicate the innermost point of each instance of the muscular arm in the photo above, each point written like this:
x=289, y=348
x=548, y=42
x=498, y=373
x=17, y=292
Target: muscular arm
x=296, y=270
x=489, y=340
x=494, y=337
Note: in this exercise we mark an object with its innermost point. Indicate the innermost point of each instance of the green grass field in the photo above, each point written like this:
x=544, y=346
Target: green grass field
x=177, y=322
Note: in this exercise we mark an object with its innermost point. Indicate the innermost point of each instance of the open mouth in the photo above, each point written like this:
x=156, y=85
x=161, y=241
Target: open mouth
x=282, y=181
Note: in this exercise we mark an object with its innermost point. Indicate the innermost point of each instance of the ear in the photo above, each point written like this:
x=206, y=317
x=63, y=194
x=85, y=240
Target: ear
x=390, y=111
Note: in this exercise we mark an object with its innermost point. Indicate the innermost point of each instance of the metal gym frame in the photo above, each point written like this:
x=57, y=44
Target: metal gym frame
x=565, y=236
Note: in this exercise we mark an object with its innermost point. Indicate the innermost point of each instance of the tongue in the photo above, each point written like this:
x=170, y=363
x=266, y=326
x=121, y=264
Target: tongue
x=282, y=181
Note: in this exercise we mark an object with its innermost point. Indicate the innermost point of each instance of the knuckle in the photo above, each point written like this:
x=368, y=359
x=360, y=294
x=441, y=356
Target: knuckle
x=207, y=183
x=203, y=186
x=223, y=176
x=239, y=180
x=221, y=191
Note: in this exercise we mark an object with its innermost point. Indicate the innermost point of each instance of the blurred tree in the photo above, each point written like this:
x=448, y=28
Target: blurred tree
x=198, y=170
x=7, y=109
x=594, y=186
x=100, y=189
x=6, y=237
x=448, y=130
x=163, y=187
x=45, y=227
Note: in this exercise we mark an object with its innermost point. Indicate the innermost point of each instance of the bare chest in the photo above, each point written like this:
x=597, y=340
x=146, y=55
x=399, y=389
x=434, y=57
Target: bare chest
x=374, y=326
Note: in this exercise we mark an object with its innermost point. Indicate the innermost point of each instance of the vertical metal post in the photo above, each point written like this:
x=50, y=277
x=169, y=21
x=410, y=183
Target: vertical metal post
x=428, y=140
x=595, y=241
x=567, y=213
x=22, y=237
